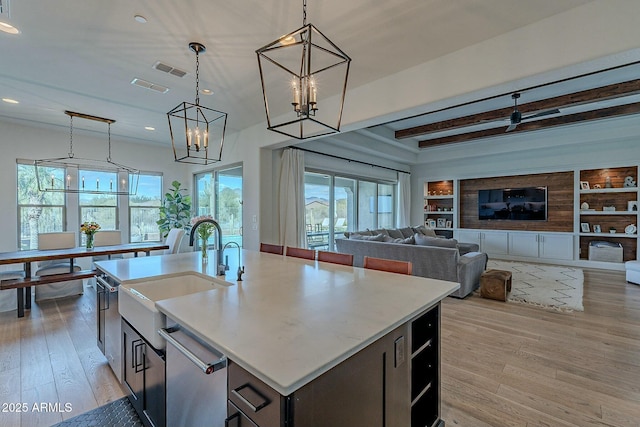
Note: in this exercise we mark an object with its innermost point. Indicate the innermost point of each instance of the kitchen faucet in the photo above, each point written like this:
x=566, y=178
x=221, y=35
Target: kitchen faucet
x=221, y=265
x=240, y=271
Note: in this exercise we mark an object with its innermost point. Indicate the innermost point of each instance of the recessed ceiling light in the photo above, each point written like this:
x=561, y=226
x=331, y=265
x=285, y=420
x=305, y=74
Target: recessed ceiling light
x=141, y=19
x=8, y=28
x=10, y=101
x=149, y=128
x=206, y=92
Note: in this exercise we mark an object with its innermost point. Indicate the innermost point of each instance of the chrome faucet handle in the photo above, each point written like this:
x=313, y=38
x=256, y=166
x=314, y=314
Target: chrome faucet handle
x=240, y=273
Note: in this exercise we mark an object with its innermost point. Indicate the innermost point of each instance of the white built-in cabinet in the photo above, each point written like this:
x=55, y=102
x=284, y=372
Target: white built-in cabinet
x=520, y=244
x=541, y=245
x=491, y=242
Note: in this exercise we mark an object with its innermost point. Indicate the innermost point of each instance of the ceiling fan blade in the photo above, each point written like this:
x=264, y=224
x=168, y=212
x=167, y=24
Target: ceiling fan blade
x=511, y=127
x=541, y=114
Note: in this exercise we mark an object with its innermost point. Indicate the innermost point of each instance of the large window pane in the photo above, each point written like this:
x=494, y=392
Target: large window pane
x=317, y=194
x=335, y=204
x=367, y=205
x=38, y=211
x=344, y=205
x=229, y=206
x=144, y=209
x=219, y=194
x=386, y=206
x=101, y=208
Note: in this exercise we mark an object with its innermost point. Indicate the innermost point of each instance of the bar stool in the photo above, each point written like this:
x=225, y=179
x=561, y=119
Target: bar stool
x=335, y=257
x=271, y=249
x=390, y=265
x=301, y=253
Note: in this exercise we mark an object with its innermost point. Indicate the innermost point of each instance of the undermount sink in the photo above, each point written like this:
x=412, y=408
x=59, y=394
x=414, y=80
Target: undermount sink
x=137, y=301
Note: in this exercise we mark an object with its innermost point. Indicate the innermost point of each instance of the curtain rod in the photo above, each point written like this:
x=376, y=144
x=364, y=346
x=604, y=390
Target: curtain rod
x=349, y=160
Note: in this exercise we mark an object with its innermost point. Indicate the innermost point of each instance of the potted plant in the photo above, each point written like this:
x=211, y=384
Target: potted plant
x=175, y=211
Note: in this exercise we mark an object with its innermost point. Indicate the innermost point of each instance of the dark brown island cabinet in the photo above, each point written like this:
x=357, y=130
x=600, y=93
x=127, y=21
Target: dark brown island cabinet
x=394, y=382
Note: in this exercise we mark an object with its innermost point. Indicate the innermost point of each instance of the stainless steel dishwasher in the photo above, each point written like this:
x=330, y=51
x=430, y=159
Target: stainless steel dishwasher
x=196, y=381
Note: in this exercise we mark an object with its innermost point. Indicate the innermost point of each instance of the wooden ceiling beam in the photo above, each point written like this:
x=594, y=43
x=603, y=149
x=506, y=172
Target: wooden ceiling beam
x=619, y=110
x=612, y=91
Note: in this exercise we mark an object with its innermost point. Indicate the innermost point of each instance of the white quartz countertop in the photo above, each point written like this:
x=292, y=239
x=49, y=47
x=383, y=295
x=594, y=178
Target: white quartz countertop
x=290, y=320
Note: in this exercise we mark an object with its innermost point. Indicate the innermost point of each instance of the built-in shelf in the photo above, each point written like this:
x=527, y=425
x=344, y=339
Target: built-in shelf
x=587, y=212
x=439, y=196
x=610, y=235
x=613, y=193
x=439, y=212
x=610, y=190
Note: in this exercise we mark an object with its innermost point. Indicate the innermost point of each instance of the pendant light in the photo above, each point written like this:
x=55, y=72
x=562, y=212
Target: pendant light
x=304, y=80
x=62, y=175
x=197, y=132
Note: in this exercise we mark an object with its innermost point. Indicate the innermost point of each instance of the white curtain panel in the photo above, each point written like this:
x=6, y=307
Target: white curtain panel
x=291, y=198
x=403, y=217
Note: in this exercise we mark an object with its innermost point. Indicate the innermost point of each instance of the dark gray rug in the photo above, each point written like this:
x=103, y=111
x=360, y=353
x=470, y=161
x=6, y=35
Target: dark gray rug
x=118, y=413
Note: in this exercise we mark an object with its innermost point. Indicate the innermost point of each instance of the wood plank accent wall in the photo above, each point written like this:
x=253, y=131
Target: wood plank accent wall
x=559, y=202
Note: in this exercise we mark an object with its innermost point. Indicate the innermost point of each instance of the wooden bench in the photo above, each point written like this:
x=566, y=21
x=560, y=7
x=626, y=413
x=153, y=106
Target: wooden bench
x=23, y=285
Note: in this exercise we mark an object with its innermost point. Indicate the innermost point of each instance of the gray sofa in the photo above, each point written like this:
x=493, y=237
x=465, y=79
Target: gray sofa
x=436, y=262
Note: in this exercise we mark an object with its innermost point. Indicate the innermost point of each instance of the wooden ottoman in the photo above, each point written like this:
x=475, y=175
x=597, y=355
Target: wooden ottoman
x=495, y=284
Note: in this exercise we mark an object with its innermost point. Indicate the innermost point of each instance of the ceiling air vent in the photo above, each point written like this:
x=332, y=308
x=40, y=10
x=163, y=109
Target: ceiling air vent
x=148, y=85
x=160, y=66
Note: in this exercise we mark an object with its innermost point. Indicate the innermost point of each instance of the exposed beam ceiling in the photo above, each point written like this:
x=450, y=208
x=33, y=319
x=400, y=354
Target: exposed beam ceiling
x=620, y=110
x=559, y=102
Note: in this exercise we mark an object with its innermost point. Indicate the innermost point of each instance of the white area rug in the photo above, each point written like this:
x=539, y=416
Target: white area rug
x=547, y=286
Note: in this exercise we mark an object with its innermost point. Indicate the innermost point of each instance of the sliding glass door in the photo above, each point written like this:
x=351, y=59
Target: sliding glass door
x=335, y=204
x=219, y=194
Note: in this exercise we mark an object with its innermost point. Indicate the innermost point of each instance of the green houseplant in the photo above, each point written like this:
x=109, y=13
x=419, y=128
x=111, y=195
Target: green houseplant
x=175, y=211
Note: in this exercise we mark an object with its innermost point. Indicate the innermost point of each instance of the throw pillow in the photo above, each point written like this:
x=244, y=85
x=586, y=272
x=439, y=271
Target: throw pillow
x=407, y=241
x=348, y=234
x=396, y=234
x=379, y=231
x=406, y=232
x=434, y=241
x=376, y=238
x=421, y=229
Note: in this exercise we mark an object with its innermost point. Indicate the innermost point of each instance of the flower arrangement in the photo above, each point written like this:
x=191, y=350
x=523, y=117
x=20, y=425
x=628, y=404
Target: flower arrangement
x=89, y=228
x=204, y=230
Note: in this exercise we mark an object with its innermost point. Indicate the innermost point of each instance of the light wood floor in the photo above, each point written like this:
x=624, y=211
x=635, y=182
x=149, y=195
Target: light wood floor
x=512, y=365
x=503, y=364
x=50, y=356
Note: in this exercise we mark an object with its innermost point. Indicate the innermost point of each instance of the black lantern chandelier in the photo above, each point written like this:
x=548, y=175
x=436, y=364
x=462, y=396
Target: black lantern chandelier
x=66, y=174
x=202, y=128
x=295, y=71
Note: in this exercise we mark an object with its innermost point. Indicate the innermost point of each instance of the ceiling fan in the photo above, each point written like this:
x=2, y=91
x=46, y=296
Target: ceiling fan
x=516, y=115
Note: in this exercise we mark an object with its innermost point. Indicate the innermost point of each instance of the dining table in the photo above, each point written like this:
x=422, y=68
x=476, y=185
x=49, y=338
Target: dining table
x=23, y=284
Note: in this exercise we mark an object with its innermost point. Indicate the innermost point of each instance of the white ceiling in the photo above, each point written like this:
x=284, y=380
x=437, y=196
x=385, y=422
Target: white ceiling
x=82, y=55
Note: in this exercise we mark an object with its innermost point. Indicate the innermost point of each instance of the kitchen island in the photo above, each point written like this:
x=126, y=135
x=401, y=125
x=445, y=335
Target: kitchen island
x=294, y=323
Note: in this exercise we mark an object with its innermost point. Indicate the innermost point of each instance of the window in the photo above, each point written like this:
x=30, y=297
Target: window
x=335, y=204
x=38, y=211
x=101, y=208
x=219, y=194
x=144, y=209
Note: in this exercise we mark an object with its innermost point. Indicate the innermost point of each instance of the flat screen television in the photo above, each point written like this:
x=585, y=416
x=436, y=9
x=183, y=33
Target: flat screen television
x=516, y=204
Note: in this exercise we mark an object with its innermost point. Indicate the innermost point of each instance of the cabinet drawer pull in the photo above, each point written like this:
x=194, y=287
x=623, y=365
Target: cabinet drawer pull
x=255, y=393
x=235, y=419
x=207, y=368
x=138, y=349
